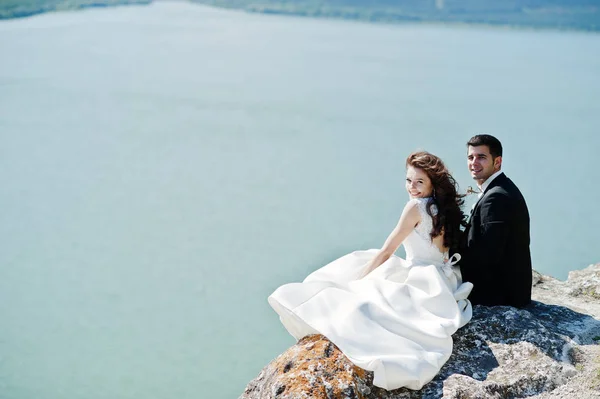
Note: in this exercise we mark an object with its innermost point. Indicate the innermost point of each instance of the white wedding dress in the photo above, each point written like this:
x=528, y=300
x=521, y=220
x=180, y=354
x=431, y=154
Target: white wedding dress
x=397, y=322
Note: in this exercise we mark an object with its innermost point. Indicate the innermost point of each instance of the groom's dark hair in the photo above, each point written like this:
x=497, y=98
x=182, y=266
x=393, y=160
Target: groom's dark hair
x=485, y=139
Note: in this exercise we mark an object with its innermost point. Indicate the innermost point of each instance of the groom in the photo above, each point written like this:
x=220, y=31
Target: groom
x=495, y=245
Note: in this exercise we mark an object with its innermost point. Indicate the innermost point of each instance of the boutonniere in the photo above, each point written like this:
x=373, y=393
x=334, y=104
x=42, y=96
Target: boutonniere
x=471, y=190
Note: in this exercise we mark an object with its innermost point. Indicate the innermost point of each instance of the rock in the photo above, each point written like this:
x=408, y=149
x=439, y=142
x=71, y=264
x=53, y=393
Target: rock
x=536, y=277
x=580, y=291
x=585, y=282
x=547, y=350
x=313, y=368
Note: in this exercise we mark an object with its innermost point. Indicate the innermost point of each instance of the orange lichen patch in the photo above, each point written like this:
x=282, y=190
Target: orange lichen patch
x=316, y=368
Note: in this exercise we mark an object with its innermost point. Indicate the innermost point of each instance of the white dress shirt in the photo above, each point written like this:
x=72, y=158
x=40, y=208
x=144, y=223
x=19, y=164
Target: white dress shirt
x=483, y=187
x=486, y=183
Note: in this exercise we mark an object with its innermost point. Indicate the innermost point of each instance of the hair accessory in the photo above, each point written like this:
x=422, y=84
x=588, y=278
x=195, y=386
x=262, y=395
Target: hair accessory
x=470, y=190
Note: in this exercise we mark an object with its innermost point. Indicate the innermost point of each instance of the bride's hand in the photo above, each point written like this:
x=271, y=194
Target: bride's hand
x=374, y=263
x=366, y=271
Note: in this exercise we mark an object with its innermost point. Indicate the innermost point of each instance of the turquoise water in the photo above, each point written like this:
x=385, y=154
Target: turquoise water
x=164, y=168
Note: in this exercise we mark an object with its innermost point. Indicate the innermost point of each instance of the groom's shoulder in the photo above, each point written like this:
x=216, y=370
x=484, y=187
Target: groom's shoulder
x=499, y=191
x=497, y=194
x=503, y=183
x=504, y=190
x=507, y=185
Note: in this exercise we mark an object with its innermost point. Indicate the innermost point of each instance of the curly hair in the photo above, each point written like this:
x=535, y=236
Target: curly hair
x=449, y=217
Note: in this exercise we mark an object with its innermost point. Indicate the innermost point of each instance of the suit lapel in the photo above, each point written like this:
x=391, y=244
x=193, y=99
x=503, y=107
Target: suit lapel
x=496, y=182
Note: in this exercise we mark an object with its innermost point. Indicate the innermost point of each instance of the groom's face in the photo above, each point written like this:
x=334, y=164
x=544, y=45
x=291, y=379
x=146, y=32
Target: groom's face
x=480, y=162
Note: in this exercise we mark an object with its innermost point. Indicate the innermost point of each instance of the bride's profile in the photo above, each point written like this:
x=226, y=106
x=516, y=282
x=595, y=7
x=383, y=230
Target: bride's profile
x=390, y=315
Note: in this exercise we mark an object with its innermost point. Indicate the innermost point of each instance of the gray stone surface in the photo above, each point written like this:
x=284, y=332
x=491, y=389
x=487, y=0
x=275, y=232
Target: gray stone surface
x=548, y=350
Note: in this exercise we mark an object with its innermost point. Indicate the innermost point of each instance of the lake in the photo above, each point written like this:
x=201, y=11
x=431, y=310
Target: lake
x=165, y=168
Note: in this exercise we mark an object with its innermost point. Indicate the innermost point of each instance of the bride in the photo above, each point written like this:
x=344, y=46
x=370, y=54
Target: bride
x=390, y=315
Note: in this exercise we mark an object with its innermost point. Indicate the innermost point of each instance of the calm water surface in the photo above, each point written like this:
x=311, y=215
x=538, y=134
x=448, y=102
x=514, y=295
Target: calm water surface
x=165, y=168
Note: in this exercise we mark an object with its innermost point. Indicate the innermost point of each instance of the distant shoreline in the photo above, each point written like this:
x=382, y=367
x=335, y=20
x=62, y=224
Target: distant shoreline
x=14, y=9
x=565, y=18
x=424, y=22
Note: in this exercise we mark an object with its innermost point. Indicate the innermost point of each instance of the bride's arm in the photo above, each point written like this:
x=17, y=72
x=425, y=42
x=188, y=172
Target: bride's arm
x=408, y=221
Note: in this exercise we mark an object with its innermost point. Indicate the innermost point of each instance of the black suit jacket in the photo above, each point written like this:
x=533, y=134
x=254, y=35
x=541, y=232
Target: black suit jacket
x=495, y=247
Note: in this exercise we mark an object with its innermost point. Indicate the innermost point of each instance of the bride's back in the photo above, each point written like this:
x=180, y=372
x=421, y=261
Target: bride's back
x=419, y=246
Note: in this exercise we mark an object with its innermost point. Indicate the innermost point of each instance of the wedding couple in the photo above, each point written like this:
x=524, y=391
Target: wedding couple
x=396, y=316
